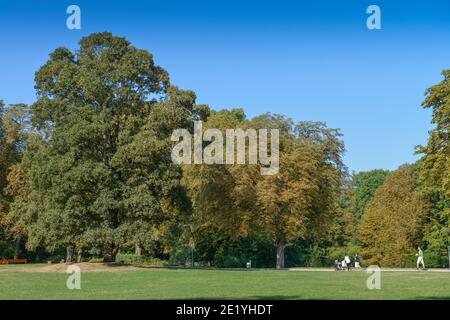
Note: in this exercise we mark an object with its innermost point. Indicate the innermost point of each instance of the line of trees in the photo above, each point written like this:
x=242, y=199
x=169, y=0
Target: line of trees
x=86, y=171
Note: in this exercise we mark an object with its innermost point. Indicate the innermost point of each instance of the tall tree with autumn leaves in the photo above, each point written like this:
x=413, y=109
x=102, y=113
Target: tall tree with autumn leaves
x=14, y=131
x=3, y=157
x=297, y=202
x=395, y=221
x=4, y=161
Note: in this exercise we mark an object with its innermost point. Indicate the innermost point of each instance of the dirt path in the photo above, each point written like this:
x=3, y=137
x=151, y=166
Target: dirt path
x=382, y=269
x=112, y=267
x=62, y=267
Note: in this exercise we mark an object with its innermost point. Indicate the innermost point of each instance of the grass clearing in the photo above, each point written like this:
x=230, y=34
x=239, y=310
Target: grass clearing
x=26, y=283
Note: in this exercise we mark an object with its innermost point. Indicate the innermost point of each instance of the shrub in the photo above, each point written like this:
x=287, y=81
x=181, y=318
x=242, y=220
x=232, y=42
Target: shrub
x=180, y=256
x=340, y=252
x=131, y=258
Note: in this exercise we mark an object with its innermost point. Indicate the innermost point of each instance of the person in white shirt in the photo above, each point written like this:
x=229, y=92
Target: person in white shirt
x=347, y=262
x=337, y=265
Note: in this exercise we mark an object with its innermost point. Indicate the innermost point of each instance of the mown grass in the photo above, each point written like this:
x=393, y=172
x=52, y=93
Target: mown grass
x=223, y=284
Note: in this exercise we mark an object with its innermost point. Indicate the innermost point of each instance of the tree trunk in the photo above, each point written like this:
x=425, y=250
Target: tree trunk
x=69, y=253
x=280, y=254
x=17, y=249
x=79, y=255
x=138, y=250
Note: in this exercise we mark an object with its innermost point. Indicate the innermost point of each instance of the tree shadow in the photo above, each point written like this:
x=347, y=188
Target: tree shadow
x=433, y=298
x=142, y=266
x=269, y=297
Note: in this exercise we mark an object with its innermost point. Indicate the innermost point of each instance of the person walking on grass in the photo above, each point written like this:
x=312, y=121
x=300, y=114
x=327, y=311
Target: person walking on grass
x=357, y=261
x=419, y=256
x=343, y=264
x=337, y=265
x=347, y=262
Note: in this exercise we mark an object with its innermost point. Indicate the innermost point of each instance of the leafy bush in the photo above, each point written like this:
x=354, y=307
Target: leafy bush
x=7, y=252
x=180, y=256
x=434, y=260
x=340, y=252
x=316, y=256
x=56, y=258
x=131, y=258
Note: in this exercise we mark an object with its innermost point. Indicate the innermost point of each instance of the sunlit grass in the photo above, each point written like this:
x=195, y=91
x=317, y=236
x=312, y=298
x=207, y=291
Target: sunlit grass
x=223, y=284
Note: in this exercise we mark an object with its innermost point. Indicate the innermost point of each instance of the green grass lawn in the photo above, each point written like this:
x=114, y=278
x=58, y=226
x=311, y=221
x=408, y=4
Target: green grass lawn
x=223, y=284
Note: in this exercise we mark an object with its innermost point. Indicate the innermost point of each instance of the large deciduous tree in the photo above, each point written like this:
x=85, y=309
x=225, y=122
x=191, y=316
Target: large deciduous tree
x=103, y=176
x=300, y=200
x=297, y=202
x=14, y=131
x=3, y=162
x=434, y=168
x=395, y=220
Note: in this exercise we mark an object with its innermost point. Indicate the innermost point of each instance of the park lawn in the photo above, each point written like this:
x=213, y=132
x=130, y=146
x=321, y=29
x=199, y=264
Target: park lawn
x=223, y=284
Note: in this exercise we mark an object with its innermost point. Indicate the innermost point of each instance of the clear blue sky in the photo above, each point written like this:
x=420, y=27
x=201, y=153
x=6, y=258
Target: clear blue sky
x=310, y=60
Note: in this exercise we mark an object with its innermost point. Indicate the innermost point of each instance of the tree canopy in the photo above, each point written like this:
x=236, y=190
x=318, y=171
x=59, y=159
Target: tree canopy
x=435, y=167
x=100, y=172
x=297, y=202
x=87, y=171
x=393, y=224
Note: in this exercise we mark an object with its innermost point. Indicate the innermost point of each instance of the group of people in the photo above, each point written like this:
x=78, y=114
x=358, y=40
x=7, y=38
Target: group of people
x=346, y=263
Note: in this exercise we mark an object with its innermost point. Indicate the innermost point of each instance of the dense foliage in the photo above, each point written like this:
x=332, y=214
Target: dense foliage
x=86, y=172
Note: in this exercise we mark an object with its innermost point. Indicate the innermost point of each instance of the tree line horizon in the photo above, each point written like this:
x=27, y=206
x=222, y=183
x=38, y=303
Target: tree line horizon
x=86, y=174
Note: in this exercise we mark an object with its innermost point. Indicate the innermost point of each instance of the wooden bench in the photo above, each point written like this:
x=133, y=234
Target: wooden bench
x=13, y=261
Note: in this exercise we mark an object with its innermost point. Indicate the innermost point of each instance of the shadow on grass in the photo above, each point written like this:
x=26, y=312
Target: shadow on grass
x=200, y=268
x=296, y=297
x=278, y=297
x=270, y=297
